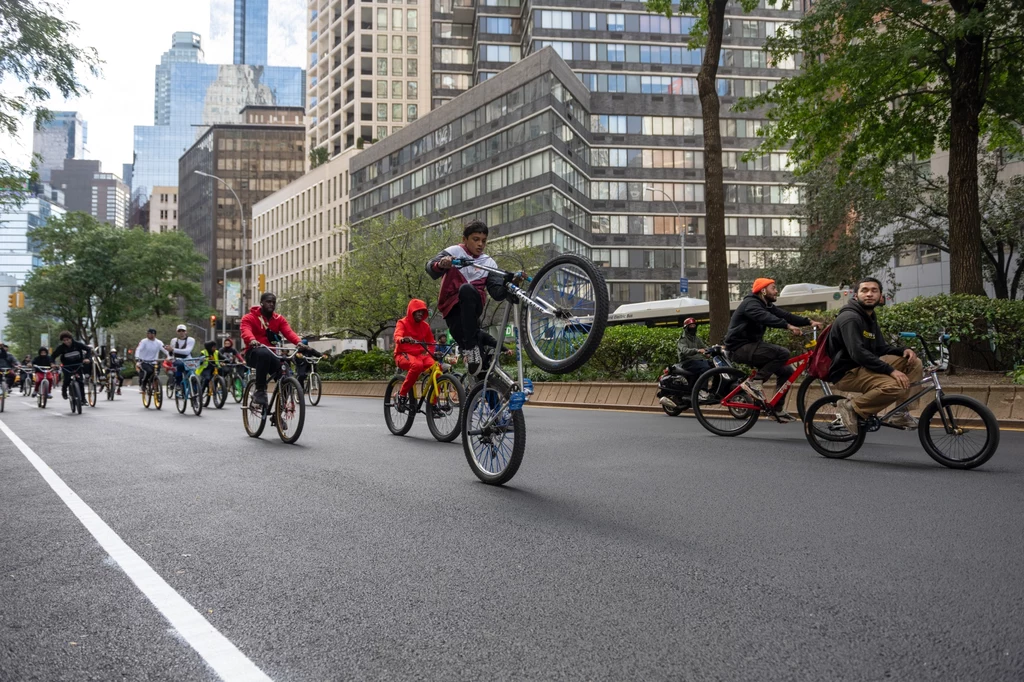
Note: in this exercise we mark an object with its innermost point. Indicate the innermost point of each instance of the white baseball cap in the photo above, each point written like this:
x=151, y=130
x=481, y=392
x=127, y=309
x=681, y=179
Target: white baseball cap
x=182, y=328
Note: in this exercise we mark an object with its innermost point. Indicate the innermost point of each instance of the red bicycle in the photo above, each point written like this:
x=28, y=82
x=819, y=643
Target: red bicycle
x=724, y=408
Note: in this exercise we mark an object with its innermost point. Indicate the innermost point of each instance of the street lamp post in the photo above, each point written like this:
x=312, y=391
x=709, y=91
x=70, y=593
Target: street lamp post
x=241, y=216
x=682, y=233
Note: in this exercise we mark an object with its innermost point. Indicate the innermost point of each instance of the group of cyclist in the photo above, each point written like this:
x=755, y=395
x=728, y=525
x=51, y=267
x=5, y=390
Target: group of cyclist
x=863, y=362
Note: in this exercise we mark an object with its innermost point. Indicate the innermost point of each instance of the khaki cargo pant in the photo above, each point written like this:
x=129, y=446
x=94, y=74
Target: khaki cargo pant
x=879, y=390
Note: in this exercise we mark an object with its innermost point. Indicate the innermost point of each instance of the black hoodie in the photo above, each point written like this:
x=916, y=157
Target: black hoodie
x=753, y=317
x=855, y=340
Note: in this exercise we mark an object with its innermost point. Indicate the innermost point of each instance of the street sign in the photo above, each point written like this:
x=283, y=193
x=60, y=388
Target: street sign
x=684, y=285
x=223, y=335
x=44, y=340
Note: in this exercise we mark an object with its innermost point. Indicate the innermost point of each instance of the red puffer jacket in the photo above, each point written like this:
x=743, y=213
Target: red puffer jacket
x=255, y=326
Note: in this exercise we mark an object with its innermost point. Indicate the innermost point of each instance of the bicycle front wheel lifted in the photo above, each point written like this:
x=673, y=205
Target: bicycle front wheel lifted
x=962, y=434
x=566, y=333
x=493, y=436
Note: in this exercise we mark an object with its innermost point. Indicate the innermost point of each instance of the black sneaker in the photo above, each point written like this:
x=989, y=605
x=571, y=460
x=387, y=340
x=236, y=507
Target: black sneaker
x=402, y=404
x=260, y=398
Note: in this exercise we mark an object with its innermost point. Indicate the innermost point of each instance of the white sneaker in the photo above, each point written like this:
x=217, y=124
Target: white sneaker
x=844, y=408
x=754, y=388
x=473, y=360
x=903, y=420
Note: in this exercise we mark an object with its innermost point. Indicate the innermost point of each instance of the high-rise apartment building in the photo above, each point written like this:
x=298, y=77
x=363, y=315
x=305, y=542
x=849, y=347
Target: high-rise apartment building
x=88, y=189
x=368, y=70
x=254, y=160
x=64, y=136
x=251, y=20
x=18, y=256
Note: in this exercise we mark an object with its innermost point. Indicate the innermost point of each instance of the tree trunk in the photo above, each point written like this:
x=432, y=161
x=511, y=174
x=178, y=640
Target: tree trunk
x=714, y=188
x=965, y=274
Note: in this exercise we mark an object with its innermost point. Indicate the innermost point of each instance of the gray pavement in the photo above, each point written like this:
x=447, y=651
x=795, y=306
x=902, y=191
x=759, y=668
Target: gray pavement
x=629, y=546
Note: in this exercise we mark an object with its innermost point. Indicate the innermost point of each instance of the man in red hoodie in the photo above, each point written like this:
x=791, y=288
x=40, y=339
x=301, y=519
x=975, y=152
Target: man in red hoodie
x=410, y=356
x=261, y=327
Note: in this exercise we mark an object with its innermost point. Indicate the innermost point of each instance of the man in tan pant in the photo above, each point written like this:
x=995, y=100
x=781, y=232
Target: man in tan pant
x=864, y=362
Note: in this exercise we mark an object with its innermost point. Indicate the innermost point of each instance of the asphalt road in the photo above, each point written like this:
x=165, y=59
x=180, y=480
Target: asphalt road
x=629, y=546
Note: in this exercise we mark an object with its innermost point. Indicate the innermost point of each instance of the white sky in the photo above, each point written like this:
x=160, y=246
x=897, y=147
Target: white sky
x=130, y=36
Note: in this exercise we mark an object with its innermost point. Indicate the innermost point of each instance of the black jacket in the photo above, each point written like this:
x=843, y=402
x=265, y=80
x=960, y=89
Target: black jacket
x=752, y=317
x=855, y=340
x=75, y=354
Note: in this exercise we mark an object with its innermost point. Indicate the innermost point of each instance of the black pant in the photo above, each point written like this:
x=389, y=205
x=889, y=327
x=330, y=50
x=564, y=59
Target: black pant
x=767, y=358
x=464, y=319
x=694, y=368
x=264, y=362
x=146, y=370
x=67, y=382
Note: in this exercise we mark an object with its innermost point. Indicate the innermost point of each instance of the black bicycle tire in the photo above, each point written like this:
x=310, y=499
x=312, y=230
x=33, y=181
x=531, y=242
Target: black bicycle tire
x=283, y=387
x=223, y=392
x=390, y=392
x=236, y=395
x=856, y=440
x=598, y=325
x=315, y=389
x=247, y=413
x=180, y=401
x=695, y=402
x=76, y=398
x=195, y=395
x=460, y=393
x=45, y=386
x=987, y=417
x=518, y=445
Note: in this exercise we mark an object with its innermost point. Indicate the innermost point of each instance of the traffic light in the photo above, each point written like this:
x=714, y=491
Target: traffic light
x=213, y=321
x=262, y=282
x=20, y=299
x=16, y=300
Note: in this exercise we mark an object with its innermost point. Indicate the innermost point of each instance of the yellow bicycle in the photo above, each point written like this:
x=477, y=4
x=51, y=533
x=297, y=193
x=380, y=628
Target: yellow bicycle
x=441, y=397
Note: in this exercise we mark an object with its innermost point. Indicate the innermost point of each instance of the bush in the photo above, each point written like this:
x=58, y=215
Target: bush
x=357, y=366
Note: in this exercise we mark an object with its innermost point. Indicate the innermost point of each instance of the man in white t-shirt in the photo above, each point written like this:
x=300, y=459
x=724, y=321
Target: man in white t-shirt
x=147, y=355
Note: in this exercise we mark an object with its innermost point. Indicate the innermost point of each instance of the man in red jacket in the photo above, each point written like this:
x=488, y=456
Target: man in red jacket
x=409, y=355
x=262, y=327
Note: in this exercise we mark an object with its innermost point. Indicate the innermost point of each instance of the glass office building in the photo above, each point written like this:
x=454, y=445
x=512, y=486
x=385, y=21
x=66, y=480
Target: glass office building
x=251, y=21
x=186, y=48
x=64, y=136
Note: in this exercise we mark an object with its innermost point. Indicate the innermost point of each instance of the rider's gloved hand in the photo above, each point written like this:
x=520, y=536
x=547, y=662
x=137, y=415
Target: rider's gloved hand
x=254, y=344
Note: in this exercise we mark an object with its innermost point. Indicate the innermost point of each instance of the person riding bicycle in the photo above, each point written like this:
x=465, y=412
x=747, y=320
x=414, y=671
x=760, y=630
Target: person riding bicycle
x=302, y=369
x=463, y=294
x=8, y=363
x=744, y=339
x=411, y=356
x=260, y=327
x=41, y=360
x=114, y=365
x=180, y=350
x=229, y=355
x=72, y=353
x=147, y=355
x=863, y=362
x=211, y=360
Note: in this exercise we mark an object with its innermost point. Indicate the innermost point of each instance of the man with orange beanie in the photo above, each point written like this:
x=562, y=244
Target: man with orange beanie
x=411, y=356
x=744, y=339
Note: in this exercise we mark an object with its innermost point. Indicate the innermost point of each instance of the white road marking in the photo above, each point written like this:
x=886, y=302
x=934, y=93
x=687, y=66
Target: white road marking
x=224, y=657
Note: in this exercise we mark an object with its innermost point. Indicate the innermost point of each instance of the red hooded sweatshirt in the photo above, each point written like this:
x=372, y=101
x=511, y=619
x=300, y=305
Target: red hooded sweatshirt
x=408, y=327
x=255, y=326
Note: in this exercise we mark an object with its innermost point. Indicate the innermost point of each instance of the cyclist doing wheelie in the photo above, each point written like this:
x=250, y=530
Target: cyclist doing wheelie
x=863, y=362
x=147, y=354
x=744, y=339
x=464, y=290
x=262, y=327
x=71, y=352
x=410, y=356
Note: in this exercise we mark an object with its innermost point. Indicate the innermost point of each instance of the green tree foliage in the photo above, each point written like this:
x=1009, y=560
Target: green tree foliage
x=707, y=32
x=883, y=82
x=318, y=156
x=36, y=56
x=25, y=327
x=94, y=275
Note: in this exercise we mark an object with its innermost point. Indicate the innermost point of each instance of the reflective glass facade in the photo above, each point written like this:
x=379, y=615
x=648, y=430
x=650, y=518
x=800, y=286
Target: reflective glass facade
x=17, y=255
x=186, y=48
x=62, y=137
x=251, y=17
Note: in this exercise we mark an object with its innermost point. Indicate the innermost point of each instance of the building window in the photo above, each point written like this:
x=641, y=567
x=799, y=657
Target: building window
x=382, y=66
x=396, y=44
x=396, y=20
x=396, y=66
x=382, y=43
x=412, y=67
x=412, y=90
x=396, y=89
x=396, y=112
x=382, y=112
x=749, y=29
x=413, y=113
x=616, y=22
x=382, y=19
x=412, y=44
x=618, y=292
x=411, y=19
x=382, y=132
x=732, y=226
x=382, y=89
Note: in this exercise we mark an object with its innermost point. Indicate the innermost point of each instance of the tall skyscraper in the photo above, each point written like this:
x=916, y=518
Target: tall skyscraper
x=251, y=19
x=368, y=71
x=186, y=48
x=62, y=137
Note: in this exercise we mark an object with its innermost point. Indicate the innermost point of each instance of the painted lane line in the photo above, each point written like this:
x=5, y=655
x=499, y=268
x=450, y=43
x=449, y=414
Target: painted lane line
x=227, y=661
